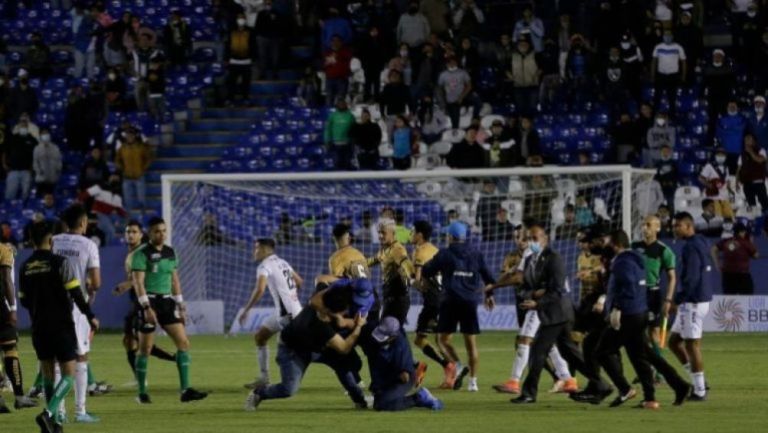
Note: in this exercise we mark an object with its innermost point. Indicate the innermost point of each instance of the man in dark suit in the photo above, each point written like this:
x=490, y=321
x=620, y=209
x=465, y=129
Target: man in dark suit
x=544, y=277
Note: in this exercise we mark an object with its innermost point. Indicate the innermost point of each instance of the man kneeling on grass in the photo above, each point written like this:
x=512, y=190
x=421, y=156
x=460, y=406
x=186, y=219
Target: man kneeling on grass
x=392, y=370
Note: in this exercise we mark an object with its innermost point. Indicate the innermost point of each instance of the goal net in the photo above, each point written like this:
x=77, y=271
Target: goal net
x=214, y=219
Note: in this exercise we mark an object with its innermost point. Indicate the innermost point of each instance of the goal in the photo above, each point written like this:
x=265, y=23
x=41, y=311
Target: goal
x=214, y=219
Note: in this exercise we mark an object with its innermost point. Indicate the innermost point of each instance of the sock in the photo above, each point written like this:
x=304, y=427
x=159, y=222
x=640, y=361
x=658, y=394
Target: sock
x=81, y=386
x=47, y=388
x=141, y=372
x=430, y=352
x=521, y=360
x=687, y=368
x=182, y=363
x=58, y=394
x=62, y=410
x=131, y=355
x=91, y=379
x=162, y=354
x=561, y=366
x=699, y=385
x=263, y=355
x=13, y=371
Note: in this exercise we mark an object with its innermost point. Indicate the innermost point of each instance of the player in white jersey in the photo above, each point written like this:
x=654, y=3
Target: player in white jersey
x=283, y=282
x=84, y=254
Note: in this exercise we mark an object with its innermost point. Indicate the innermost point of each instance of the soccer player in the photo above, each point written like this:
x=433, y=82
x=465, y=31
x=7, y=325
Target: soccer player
x=301, y=342
x=465, y=271
x=133, y=239
x=396, y=272
x=8, y=334
x=84, y=255
x=692, y=302
x=283, y=282
x=658, y=257
x=430, y=289
x=347, y=261
x=392, y=373
x=544, y=279
x=48, y=285
x=158, y=289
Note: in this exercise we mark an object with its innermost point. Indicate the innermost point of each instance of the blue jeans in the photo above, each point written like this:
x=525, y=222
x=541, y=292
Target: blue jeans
x=394, y=398
x=107, y=224
x=292, y=367
x=17, y=180
x=134, y=195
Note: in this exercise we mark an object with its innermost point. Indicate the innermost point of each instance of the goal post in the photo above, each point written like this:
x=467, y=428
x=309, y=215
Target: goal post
x=214, y=219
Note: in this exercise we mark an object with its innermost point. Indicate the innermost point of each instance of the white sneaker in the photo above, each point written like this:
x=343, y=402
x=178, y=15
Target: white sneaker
x=472, y=387
x=252, y=402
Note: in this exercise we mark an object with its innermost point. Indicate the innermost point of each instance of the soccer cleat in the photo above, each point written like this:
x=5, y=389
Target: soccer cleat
x=460, y=378
x=591, y=398
x=420, y=373
x=3, y=406
x=621, y=399
x=425, y=399
x=143, y=399
x=99, y=388
x=681, y=393
x=24, y=402
x=6, y=385
x=697, y=398
x=35, y=392
x=191, y=394
x=472, y=387
x=651, y=405
x=86, y=418
x=45, y=422
x=252, y=402
x=523, y=399
x=571, y=385
x=511, y=386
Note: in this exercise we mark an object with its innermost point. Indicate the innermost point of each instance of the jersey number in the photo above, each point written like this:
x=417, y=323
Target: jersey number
x=289, y=279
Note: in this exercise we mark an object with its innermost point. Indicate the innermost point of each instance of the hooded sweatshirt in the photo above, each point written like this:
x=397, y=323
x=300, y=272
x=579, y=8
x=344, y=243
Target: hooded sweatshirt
x=626, y=287
x=463, y=269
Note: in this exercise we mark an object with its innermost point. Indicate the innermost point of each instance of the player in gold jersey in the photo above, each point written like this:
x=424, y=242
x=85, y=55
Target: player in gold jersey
x=396, y=272
x=430, y=290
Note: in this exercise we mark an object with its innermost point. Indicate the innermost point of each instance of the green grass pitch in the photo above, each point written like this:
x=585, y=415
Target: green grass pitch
x=735, y=368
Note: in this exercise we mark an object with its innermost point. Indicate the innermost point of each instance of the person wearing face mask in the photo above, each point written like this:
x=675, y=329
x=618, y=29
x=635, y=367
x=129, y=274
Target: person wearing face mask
x=530, y=27
x=691, y=38
x=21, y=99
x=667, y=175
x=412, y=27
x=730, y=133
x=455, y=86
x=719, y=80
x=757, y=123
x=661, y=133
x=38, y=57
x=524, y=73
x=714, y=178
x=668, y=69
x=239, y=51
x=17, y=162
x=177, y=38
x=47, y=164
x=31, y=126
x=632, y=58
x=115, y=90
x=579, y=67
x=372, y=55
x=752, y=173
x=614, y=80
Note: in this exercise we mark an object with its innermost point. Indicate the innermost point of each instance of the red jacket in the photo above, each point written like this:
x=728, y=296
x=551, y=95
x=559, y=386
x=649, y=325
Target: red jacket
x=337, y=63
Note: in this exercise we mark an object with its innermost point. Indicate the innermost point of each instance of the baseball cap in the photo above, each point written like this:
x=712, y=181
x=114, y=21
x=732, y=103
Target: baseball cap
x=458, y=230
x=388, y=327
x=362, y=295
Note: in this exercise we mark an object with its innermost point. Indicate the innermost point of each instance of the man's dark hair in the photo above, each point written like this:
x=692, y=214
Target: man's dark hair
x=73, y=214
x=267, y=242
x=570, y=208
x=340, y=230
x=472, y=128
x=684, y=216
x=706, y=202
x=424, y=228
x=134, y=223
x=337, y=300
x=399, y=216
x=41, y=230
x=620, y=239
x=155, y=221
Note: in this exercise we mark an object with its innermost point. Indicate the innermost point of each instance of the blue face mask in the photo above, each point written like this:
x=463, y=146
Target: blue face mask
x=535, y=247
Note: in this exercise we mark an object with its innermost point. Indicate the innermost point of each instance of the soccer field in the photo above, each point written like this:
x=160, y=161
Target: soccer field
x=735, y=367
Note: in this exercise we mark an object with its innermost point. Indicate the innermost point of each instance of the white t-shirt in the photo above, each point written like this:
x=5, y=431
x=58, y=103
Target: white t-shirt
x=709, y=173
x=281, y=285
x=668, y=57
x=741, y=6
x=81, y=252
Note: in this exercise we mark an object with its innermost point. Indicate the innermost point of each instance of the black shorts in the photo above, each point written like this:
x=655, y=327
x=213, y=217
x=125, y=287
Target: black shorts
x=7, y=332
x=59, y=345
x=427, y=321
x=455, y=312
x=655, y=302
x=132, y=322
x=165, y=313
x=396, y=307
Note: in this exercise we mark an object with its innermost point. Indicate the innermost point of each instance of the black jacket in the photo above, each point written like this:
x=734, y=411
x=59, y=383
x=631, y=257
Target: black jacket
x=465, y=155
x=548, y=274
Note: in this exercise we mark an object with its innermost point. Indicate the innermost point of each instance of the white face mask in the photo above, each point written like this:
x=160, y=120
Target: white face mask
x=717, y=63
x=759, y=110
x=733, y=112
x=112, y=76
x=720, y=159
x=453, y=68
x=751, y=14
x=241, y=22
x=661, y=122
x=45, y=138
x=23, y=131
x=626, y=45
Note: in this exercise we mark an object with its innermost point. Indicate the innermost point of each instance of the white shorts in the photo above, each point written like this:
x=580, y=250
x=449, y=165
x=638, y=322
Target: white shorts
x=531, y=324
x=689, y=322
x=82, y=331
x=276, y=323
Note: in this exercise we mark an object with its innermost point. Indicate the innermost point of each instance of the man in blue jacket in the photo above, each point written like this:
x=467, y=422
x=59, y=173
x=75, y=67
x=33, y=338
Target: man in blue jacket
x=626, y=307
x=464, y=271
x=730, y=133
x=392, y=373
x=692, y=302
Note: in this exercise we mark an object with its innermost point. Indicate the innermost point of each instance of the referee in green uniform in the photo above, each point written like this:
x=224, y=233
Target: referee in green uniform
x=156, y=281
x=658, y=257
